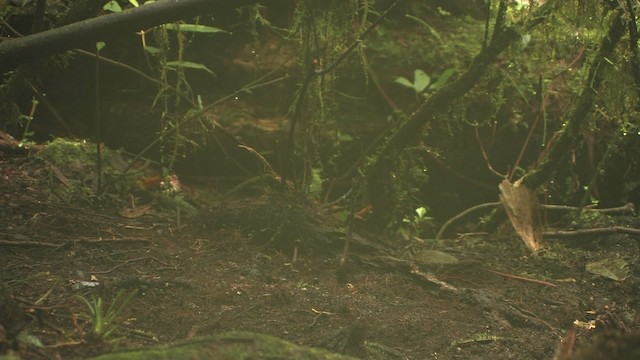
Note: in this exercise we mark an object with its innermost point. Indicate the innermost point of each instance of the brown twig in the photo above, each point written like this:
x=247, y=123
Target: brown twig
x=521, y=278
x=463, y=214
x=462, y=176
x=120, y=265
x=76, y=241
x=310, y=75
x=485, y=157
x=27, y=244
x=109, y=241
x=357, y=42
x=378, y=86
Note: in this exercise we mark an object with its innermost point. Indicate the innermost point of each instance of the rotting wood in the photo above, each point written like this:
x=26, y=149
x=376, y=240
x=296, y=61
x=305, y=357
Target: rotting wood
x=523, y=210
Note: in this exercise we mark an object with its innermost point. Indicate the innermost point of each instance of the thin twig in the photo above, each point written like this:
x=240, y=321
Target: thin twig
x=357, y=42
x=463, y=214
x=120, y=265
x=27, y=244
x=310, y=75
x=109, y=241
x=521, y=278
x=485, y=157
x=247, y=88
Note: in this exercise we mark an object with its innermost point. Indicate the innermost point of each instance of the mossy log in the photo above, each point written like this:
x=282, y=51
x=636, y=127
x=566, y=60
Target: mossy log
x=228, y=346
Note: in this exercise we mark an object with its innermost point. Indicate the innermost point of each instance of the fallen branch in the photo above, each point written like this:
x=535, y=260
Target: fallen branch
x=521, y=278
x=109, y=241
x=27, y=244
x=591, y=232
x=628, y=208
x=76, y=241
x=129, y=261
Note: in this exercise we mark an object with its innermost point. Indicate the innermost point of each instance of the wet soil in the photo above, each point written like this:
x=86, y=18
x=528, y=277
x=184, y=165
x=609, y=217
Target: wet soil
x=268, y=263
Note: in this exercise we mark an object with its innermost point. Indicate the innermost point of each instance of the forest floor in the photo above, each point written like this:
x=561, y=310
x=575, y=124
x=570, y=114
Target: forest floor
x=267, y=264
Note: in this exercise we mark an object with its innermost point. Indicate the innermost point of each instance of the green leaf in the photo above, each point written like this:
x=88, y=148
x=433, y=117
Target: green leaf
x=134, y=3
x=29, y=339
x=173, y=65
x=152, y=50
x=196, y=28
x=112, y=6
x=100, y=45
x=404, y=82
x=524, y=41
x=443, y=79
x=344, y=137
x=420, y=80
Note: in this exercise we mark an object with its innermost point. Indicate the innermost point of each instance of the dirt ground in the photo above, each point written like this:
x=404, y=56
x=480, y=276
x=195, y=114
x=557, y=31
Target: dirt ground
x=268, y=264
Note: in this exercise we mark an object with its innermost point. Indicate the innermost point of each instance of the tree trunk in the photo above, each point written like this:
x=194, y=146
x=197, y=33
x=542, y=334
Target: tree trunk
x=85, y=33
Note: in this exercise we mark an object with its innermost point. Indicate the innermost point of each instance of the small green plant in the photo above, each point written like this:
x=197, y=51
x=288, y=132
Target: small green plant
x=27, y=134
x=587, y=219
x=105, y=320
x=419, y=221
x=422, y=82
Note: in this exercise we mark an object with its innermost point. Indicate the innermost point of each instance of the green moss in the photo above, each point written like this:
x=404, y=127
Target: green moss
x=68, y=152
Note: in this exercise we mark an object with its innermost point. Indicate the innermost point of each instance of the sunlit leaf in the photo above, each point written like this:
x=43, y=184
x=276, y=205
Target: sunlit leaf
x=189, y=65
x=404, y=82
x=196, y=28
x=152, y=50
x=29, y=339
x=344, y=137
x=134, y=3
x=112, y=6
x=613, y=268
x=100, y=45
x=420, y=80
x=443, y=79
x=524, y=41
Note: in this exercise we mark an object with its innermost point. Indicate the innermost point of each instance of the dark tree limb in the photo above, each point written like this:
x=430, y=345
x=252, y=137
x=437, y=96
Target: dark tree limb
x=573, y=133
x=633, y=45
x=85, y=33
x=80, y=10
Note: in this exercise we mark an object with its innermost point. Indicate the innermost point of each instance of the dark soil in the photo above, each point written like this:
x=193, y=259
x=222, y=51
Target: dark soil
x=268, y=263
